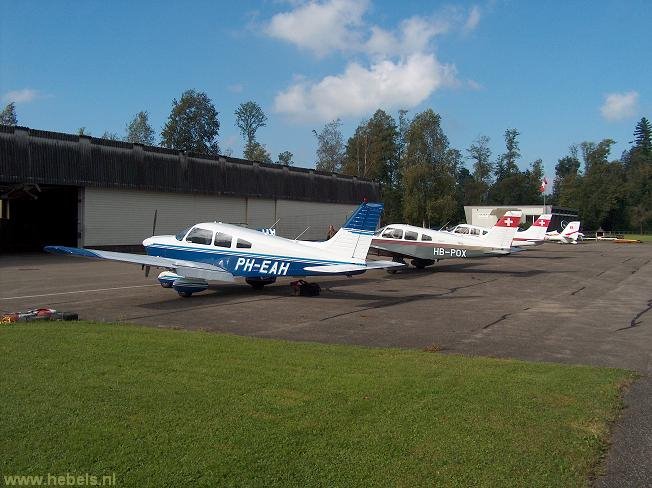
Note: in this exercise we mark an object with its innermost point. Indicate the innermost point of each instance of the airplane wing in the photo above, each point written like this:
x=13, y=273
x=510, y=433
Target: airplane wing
x=349, y=268
x=187, y=269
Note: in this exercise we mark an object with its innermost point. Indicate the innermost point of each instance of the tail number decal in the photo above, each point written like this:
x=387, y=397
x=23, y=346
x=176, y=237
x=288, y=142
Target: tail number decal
x=264, y=266
x=453, y=253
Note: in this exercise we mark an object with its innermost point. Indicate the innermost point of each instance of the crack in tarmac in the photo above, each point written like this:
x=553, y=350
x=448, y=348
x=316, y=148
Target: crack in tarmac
x=633, y=323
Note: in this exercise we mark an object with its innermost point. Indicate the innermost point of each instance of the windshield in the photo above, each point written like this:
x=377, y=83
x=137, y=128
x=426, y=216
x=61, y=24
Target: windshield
x=182, y=234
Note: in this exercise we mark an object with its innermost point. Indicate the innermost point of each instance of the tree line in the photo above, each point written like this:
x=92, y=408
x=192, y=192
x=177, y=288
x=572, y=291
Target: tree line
x=423, y=180
x=192, y=126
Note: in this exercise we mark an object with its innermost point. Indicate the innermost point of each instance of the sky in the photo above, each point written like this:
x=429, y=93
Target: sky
x=559, y=72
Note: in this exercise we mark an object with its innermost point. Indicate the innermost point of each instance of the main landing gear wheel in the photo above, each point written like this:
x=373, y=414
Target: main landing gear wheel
x=184, y=294
x=421, y=263
x=259, y=283
x=395, y=260
x=166, y=285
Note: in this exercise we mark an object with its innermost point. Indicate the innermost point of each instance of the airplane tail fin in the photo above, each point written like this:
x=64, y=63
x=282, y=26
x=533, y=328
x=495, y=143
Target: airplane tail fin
x=571, y=230
x=502, y=233
x=537, y=231
x=352, y=241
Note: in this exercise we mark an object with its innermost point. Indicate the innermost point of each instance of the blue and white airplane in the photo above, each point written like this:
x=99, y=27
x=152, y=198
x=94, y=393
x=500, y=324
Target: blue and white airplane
x=222, y=252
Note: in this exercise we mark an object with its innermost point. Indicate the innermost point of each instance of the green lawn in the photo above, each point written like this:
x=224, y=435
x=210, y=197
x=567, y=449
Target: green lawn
x=176, y=408
x=640, y=237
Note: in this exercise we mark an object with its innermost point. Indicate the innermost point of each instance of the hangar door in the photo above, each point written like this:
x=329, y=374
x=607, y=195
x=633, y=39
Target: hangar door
x=34, y=216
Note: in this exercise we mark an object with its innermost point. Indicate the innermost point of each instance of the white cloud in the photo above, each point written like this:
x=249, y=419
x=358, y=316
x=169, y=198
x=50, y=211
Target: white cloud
x=320, y=27
x=618, y=106
x=236, y=88
x=414, y=36
x=360, y=90
x=472, y=20
x=25, y=95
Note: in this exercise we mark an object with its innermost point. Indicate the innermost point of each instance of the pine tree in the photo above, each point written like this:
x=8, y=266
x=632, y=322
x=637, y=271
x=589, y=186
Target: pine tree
x=8, y=115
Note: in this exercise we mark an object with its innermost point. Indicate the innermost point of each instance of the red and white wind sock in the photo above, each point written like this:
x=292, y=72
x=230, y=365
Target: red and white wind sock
x=544, y=184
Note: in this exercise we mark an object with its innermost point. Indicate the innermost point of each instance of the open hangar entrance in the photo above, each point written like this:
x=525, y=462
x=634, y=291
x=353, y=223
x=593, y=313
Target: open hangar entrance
x=34, y=216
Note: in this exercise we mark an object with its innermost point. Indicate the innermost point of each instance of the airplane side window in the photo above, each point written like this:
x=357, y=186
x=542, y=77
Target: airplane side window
x=410, y=235
x=223, y=240
x=200, y=236
x=182, y=234
x=388, y=233
x=397, y=234
x=241, y=243
x=425, y=237
x=462, y=230
x=475, y=232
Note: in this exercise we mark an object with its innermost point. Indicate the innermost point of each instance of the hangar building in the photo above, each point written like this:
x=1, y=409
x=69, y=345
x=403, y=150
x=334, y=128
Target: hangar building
x=487, y=215
x=83, y=191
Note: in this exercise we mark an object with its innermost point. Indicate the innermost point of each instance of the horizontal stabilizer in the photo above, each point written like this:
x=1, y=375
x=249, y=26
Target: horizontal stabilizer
x=187, y=269
x=352, y=268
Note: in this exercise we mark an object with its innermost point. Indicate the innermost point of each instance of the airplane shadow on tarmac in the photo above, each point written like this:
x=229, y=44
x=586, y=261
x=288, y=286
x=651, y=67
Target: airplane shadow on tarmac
x=219, y=295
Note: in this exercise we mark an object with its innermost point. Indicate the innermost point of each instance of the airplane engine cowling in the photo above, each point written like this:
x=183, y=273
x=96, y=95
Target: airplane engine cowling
x=188, y=286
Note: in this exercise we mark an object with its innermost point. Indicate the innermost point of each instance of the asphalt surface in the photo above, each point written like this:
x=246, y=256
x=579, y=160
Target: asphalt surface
x=584, y=304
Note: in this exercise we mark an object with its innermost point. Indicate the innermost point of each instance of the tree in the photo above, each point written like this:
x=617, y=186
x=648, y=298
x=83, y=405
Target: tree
x=566, y=178
x=255, y=151
x=8, y=114
x=480, y=153
x=111, y=136
x=511, y=184
x=429, y=170
x=643, y=136
x=330, y=147
x=83, y=131
x=192, y=125
x=249, y=117
x=372, y=152
x=139, y=131
x=285, y=158
x=476, y=188
x=507, y=164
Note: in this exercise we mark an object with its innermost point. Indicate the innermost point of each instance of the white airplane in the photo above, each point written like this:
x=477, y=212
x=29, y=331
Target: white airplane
x=221, y=252
x=569, y=235
x=532, y=236
x=427, y=246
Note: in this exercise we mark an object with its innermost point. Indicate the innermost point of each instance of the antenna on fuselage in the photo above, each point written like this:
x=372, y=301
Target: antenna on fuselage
x=274, y=224
x=444, y=226
x=154, y=223
x=305, y=230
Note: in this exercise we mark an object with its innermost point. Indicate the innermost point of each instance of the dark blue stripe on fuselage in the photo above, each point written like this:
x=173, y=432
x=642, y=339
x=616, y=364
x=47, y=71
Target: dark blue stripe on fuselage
x=244, y=265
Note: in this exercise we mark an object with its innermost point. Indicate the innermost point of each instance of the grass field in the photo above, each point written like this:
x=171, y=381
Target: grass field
x=177, y=408
x=640, y=237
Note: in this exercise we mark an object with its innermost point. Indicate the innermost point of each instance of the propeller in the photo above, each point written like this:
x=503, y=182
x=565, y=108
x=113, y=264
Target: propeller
x=154, y=223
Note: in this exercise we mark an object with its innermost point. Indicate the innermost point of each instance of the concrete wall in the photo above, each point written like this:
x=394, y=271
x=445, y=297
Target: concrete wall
x=112, y=217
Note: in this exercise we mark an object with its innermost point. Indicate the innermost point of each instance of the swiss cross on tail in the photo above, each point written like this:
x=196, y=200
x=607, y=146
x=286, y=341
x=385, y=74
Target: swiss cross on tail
x=508, y=221
x=542, y=222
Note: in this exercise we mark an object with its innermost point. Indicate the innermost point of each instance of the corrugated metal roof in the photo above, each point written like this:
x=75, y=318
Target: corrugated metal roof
x=36, y=156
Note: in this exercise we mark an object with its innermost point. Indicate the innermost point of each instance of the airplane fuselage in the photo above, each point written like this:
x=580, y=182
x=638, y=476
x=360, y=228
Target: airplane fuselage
x=245, y=252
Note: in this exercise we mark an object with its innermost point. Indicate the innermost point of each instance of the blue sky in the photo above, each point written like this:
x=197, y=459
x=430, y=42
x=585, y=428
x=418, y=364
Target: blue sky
x=559, y=72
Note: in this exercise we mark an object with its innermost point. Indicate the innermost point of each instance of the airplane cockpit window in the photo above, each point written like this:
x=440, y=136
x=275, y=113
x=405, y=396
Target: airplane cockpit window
x=200, y=236
x=461, y=230
x=393, y=233
x=410, y=235
x=182, y=234
x=426, y=237
x=243, y=244
x=223, y=240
